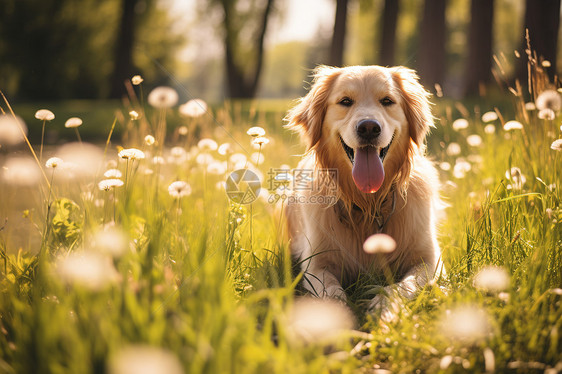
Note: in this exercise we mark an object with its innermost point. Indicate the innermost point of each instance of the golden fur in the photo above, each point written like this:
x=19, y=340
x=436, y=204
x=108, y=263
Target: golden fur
x=328, y=239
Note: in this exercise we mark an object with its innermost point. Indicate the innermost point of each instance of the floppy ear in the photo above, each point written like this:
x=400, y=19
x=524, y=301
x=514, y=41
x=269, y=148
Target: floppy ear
x=416, y=105
x=307, y=117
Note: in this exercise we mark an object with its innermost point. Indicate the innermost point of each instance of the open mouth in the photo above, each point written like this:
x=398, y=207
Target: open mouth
x=367, y=168
x=350, y=152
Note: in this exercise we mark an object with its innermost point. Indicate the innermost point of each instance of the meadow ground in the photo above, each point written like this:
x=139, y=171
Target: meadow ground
x=127, y=255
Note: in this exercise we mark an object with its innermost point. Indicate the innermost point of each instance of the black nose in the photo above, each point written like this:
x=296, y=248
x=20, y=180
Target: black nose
x=368, y=129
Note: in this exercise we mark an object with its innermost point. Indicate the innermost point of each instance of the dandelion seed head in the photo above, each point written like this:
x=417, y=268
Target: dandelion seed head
x=44, y=115
x=490, y=129
x=11, y=130
x=204, y=159
x=461, y=168
x=21, y=171
x=556, y=145
x=113, y=173
x=73, y=122
x=445, y=166
x=518, y=179
x=193, y=108
x=256, y=131
x=530, y=106
x=547, y=114
x=131, y=154
x=512, y=125
x=207, y=144
x=178, y=152
x=318, y=320
x=489, y=116
x=549, y=99
x=453, y=149
x=136, y=80
x=260, y=141
x=216, y=168
x=87, y=269
x=53, y=162
x=82, y=159
x=460, y=124
x=139, y=359
x=134, y=115
x=179, y=189
x=545, y=64
x=163, y=97
x=182, y=130
x=474, y=140
x=149, y=140
x=108, y=184
x=158, y=160
x=224, y=149
x=379, y=243
x=111, y=241
x=492, y=279
x=467, y=324
x=238, y=158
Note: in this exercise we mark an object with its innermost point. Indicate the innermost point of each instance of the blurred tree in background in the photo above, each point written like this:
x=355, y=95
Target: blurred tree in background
x=54, y=49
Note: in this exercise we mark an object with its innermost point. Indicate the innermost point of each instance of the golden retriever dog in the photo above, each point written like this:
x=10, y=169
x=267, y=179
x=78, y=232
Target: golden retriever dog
x=365, y=128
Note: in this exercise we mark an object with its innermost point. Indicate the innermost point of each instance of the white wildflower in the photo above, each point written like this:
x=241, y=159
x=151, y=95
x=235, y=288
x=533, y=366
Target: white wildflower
x=225, y=149
x=149, y=140
x=492, y=279
x=255, y=131
x=547, y=114
x=21, y=171
x=112, y=173
x=260, y=141
x=460, y=124
x=207, y=144
x=474, y=140
x=163, y=97
x=73, y=122
x=53, y=162
x=179, y=189
x=379, y=243
x=549, y=99
x=530, y=106
x=136, y=80
x=490, y=129
x=88, y=269
x=134, y=115
x=468, y=324
x=556, y=145
x=44, y=115
x=12, y=130
x=512, y=125
x=453, y=149
x=144, y=360
x=131, y=154
x=317, y=320
x=193, y=108
x=489, y=116
x=108, y=184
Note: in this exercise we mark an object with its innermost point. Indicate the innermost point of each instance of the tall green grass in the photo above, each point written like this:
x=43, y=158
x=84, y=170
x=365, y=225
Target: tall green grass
x=211, y=282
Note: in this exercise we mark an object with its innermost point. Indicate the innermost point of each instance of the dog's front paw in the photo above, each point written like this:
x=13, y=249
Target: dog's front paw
x=386, y=306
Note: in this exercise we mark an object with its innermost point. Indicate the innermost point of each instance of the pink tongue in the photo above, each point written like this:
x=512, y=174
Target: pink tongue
x=368, y=172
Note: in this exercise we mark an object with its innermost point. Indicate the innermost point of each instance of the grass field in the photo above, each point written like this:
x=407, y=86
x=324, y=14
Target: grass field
x=130, y=273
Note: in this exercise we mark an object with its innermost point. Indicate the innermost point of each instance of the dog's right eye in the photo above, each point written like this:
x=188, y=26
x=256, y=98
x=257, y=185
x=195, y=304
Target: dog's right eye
x=346, y=101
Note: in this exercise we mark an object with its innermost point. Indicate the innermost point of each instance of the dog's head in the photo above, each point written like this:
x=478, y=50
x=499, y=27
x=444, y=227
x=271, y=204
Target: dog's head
x=366, y=121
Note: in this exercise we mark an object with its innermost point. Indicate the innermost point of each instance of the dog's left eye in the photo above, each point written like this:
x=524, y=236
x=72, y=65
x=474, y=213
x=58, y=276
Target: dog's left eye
x=387, y=101
x=346, y=101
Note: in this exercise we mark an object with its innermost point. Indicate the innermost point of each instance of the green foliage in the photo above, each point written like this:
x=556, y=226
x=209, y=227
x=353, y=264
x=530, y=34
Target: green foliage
x=211, y=281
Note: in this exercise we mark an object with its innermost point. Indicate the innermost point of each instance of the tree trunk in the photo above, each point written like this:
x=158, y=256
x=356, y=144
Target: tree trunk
x=480, y=36
x=338, y=37
x=431, y=52
x=542, y=19
x=123, y=68
x=388, y=32
x=241, y=79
